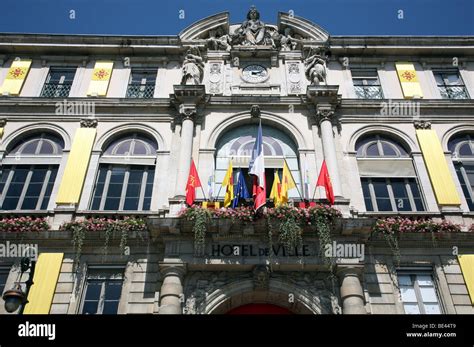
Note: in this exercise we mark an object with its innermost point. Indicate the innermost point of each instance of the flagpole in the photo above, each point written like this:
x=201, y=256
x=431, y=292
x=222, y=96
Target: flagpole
x=202, y=189
x=316, y=187
x=217, y=196
x=296, y=186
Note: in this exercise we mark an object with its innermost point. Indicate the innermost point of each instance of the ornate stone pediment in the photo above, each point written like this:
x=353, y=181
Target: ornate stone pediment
x=201, y=29
x=291, y=33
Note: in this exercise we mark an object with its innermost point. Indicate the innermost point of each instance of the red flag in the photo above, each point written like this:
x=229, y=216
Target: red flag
x=259, y=193
x=325, y=181
x=193, y=183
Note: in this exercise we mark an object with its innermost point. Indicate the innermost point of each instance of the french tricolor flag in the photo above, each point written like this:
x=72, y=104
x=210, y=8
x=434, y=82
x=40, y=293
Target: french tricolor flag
x=257, y=169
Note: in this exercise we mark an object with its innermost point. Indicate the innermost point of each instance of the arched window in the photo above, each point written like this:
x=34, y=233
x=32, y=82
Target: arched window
x=28, y=172
x=237, y=144
x=126, y=172
x=388, y=177
x=462, y=148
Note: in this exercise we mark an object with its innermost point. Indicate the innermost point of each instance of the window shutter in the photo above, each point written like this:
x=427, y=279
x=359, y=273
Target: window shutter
x=437, y=167
x=76, y=167
x=466, y=261
x=46, y=276
x=386, y=168
x=15, y=77
x=408, y=80
x=100, y=78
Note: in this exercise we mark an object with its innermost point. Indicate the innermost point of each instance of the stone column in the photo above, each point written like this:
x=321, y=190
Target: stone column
x=324, y=99
x=171, y=293
x=329, y=149
x=187, y=99
x=185, y=152
x=352, y=295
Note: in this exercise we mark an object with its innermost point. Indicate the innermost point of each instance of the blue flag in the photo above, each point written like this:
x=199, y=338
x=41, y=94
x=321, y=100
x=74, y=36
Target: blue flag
x=240, y=190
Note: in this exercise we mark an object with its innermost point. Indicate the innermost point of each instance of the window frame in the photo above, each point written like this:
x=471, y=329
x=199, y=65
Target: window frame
x=4, y=270
x=31, y=161
x=133, y=85
x=58, y=69
x=421, y=272
x=364, y=80
x=109, y=167
x=393, y=202
x=118, y=269
x=44, y=186
x=109, y=160
x=402, y=154
x=447, y=86
x=459, y=165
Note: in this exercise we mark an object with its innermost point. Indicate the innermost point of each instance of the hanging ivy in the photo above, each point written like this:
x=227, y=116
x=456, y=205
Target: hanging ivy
x=392, y=227
x=201, y=218
x=288, y=223
x=80, y=228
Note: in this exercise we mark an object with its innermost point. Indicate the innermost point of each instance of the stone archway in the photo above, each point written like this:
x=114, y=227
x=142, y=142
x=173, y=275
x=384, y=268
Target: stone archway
x=259, y=309
x=298, y=300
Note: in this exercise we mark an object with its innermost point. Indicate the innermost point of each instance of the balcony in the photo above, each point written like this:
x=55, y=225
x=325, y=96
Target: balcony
x=140, y=91
x=55, y=90
x=453, y=92
x=368, y=92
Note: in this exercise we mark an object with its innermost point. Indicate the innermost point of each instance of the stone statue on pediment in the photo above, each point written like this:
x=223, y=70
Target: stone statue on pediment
x=315, y=68
x=289, y=41
x=252, y=32
x=218, y=40
x=193, y=67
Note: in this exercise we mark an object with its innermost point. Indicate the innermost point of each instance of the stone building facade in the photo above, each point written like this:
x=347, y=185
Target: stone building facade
x=106, y=126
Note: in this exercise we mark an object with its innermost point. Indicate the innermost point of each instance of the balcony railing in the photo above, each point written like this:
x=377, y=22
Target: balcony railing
x=55, y=90
x=368, y=92
x=453, y=92
x=140, y=91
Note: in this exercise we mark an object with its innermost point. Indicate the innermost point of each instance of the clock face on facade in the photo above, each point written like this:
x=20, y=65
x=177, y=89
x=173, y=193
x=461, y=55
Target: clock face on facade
x=254, y=74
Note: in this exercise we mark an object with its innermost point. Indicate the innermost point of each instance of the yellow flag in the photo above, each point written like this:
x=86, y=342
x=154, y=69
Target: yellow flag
x=287, y=183
x=100, y=78
x=16, y=76
x=408, y=80
x=228, y=182
x=275, y=193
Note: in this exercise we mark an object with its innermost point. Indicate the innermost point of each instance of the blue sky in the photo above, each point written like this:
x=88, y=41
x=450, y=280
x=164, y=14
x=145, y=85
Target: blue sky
x=161, y=17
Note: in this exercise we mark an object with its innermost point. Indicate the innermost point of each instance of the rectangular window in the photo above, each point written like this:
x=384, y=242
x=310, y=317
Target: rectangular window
x=465, y=174
x=269, y=177
x=366, y=84
x=142, y=83
x=58, y=83
x=418, y=293
x=123, y=188
x=3, y=279
x=450, y=84
x=26, y=187
x=391, y=194
x=102, y=291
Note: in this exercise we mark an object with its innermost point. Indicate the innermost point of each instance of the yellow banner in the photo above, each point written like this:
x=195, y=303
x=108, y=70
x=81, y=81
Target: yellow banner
x=1, y=133
x=287, y=183
x=276, y=190
x=76, y=168
x=16, y=77
x=408, y=80
x=46, y=276
x=228, y=182
x=100, y=78
x=435, y=161
x=466, y=261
